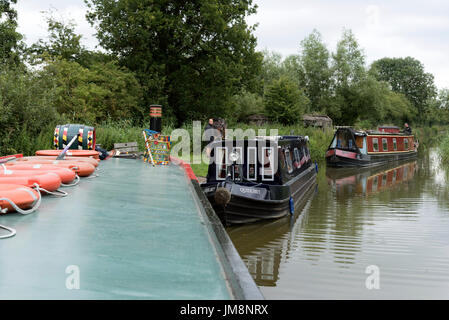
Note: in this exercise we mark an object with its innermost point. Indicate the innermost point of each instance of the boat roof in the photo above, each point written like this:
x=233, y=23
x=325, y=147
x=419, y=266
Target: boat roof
x=268, y=138
x=363, y=133
x=134, y=232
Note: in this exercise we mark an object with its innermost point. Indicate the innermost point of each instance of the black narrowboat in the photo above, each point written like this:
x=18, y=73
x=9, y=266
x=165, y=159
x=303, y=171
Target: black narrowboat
x=356, y=148
x=258, y=179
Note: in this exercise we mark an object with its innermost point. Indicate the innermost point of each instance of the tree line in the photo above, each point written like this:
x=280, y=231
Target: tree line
x=199, y=60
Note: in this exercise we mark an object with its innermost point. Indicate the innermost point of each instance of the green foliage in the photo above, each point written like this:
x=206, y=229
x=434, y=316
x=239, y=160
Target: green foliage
x=406, y=76
x=246, y=104
x=371, y=101
x=284, y=102
x=104, y=91
x=443, y=150
x=348, y=61
x=315, y=76
x=192, y=55
x=64, y=44
x=10, y=39
x=28, y=117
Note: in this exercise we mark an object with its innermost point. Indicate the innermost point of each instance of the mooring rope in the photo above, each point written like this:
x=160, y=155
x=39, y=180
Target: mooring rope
x=36, y=203
x=77, y=180
x=57, y=192
x=12, y=232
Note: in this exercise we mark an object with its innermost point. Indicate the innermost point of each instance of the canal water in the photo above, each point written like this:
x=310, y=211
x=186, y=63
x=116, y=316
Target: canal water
x=378, y=233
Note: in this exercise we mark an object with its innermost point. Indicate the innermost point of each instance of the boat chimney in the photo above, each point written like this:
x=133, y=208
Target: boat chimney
x=156, y=117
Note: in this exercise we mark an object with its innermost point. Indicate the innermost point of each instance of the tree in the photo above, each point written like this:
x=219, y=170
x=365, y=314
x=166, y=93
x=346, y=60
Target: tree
x=27, y=112
x=246, y=104
x=64, y=43
x=102, y=92
x=285, y=102
x=193, y=55
x=407, y=76
x=348, y=61
x=315, y=71
x=10, y=39
x=371, y=102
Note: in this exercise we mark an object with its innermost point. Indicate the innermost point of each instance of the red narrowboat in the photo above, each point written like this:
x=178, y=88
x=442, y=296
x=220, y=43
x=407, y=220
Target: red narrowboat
x=351, y=148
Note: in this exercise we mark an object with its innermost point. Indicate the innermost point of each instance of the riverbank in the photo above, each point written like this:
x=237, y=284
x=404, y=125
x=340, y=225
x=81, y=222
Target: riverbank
x=443, y=150
x=125, y=131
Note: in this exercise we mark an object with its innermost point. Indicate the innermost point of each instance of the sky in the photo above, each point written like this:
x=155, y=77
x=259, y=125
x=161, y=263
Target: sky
x=383, y=28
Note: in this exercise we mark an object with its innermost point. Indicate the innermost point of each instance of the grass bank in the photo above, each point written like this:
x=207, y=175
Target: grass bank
x=443, y=149
x=125, y=131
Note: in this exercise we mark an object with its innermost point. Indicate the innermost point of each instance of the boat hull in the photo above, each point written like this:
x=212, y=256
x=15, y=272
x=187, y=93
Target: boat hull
x=241, y=209
x=339, y=158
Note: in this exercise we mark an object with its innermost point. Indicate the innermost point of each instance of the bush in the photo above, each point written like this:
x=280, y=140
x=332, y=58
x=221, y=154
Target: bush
x=246, y=104
x=28, y=117
x=103, y=92
x=285, y=102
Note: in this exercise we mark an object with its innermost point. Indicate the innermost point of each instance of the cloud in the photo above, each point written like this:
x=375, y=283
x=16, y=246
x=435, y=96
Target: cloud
x=32, y=24
x=383, y=28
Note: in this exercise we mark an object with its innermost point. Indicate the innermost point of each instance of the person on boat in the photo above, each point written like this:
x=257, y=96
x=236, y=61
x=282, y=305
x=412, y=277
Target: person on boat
x=209, y=125
x=210, y=133
x=407, y=129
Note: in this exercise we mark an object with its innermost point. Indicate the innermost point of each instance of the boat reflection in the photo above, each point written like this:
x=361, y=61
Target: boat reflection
x=370, y=180
x=264, y=245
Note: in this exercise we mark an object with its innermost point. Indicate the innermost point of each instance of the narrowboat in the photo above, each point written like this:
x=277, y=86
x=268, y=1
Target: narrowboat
x=351, y=148
x=258, y=179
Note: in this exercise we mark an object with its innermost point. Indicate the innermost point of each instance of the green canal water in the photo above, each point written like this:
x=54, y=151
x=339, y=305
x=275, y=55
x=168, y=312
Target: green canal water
x=362, y=234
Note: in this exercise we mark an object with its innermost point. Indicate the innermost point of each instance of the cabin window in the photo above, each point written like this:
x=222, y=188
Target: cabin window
x=375, y=144
x=384, y=180
x=405, y=173
x=235, y=157
x=359, y=142
x=288, y=160
x=384, y=144
x=345, y=140
x=405, y=144
x=251, y=171
x=395, y=146
x=268, y=164
x=305, y=154
x=297, y=158
x=220, y=163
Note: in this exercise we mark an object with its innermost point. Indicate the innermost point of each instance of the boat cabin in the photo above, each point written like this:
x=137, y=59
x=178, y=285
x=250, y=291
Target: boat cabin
x=381, y=141
x=267, y=160
x=351, y=147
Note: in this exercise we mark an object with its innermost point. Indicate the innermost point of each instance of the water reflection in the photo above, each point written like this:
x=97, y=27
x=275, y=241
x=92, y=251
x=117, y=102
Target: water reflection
x=264, y=245
x=367, y=181
x=394, y=216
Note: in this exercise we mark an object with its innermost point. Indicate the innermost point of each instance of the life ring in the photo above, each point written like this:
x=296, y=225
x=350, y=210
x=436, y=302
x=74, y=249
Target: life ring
x=66, y=175
x=15, y=197
x=48, y=181
x=40, y=159
x=75, y=153
x=83, y=169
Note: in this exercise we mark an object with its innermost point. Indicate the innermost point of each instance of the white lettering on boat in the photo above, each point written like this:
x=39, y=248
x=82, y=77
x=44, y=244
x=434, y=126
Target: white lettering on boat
x=249, y=190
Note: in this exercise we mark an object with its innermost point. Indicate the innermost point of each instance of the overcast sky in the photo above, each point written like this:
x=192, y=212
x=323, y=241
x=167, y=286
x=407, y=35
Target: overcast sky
x=384, y=28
